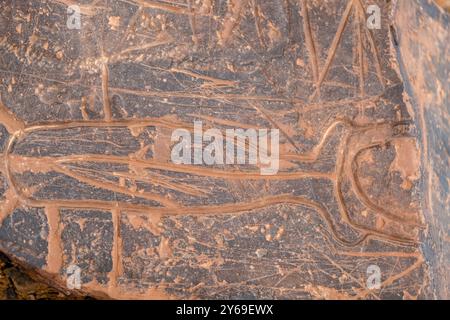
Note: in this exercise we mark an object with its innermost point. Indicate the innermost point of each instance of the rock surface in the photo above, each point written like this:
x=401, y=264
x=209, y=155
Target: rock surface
x=87, y=179
x=423, y=50
x=21, y=283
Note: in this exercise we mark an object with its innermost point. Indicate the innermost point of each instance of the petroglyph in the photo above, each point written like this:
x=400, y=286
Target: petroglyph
x=88, y=116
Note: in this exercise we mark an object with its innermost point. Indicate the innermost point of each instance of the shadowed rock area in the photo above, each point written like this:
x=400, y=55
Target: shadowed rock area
x=18, y=282
x=87, y=183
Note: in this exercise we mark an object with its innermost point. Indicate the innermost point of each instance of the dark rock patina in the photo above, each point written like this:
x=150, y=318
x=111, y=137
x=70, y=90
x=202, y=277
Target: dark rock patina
x=86, y=176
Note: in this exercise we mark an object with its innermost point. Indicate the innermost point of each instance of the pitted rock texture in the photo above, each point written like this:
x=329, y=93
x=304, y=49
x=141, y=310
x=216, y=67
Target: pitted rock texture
x=86, y=176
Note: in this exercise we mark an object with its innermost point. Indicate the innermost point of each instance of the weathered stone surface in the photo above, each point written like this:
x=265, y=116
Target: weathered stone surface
x=87, y=117
x=424, y=57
